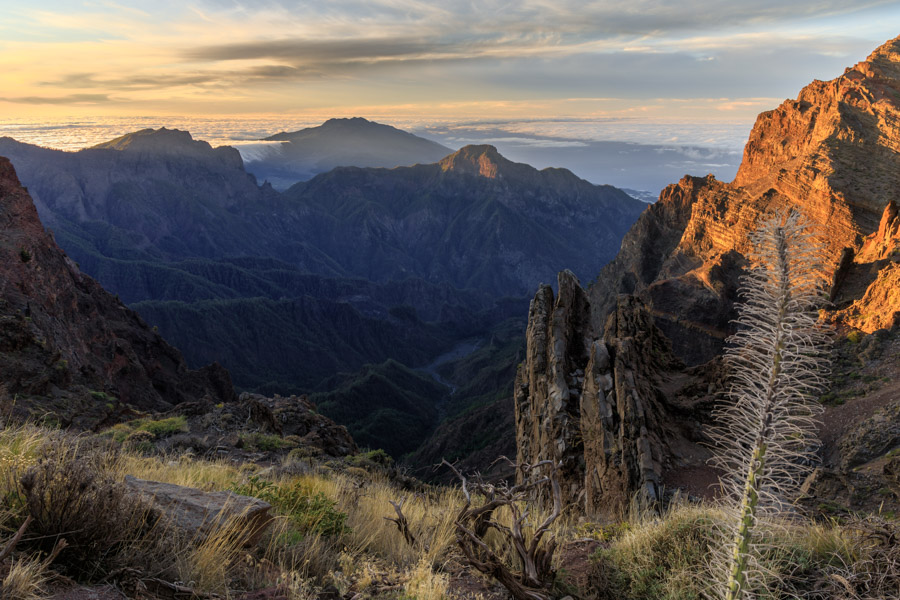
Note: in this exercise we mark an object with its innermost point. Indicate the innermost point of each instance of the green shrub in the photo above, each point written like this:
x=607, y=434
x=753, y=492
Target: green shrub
x=102, y=396
x=310, y=513
x=158, y=429
x=262, y=442
x=164, y=427
x=372, y=457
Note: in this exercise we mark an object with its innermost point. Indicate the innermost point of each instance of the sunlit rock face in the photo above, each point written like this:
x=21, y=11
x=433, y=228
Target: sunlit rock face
x=833, y=153
x=867, y=282
x=599, y=393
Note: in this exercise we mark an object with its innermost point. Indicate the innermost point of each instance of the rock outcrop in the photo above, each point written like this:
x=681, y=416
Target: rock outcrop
x=867, y=283
x=195, y=513
x=69, y=350
x=548, y=383
x=833, y=153
x=598, y=391
x=297, y=416
x=597, y=406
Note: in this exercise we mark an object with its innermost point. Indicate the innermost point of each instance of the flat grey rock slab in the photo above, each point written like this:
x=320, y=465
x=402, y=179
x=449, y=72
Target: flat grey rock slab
x=198, y=513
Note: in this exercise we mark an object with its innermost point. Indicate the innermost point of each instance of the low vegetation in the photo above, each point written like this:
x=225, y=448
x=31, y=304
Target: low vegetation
x=331, y=534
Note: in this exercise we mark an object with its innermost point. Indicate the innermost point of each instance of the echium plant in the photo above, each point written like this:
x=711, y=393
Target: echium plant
x=778, y=363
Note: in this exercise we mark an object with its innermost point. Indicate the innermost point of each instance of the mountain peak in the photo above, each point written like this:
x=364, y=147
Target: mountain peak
x=353, y=142
x=351, y=121
x=153, y=139
x=172, y=142
x=887, y=54
x=342, y=126
x=482, y=159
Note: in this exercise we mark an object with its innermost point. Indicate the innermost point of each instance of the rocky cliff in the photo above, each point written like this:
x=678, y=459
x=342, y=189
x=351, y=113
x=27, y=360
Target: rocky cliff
x=866, y=287
x=833, y=153
x=599, y=391
x=603, y=408
x=70, y=351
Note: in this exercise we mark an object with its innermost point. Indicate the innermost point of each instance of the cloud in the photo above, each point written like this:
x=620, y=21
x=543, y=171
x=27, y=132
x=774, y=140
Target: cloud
x=285, y=55
x=69, y=99
x=302, y=50
x=499, y=18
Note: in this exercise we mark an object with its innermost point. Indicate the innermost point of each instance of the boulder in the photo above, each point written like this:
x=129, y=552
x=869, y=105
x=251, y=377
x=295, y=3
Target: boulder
x=197, y=513
x=891, y=472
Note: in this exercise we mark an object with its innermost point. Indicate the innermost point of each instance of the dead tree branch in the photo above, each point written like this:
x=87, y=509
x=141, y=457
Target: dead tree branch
x=15, y=539
x=535, y=577
x=402, y=523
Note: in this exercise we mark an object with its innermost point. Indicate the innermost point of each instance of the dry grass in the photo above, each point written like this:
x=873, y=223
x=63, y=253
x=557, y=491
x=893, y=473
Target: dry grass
x=19, y=448
x=425, y=584
x=206, y=563
x=204, y=475
x=648, y=556
x=25, y=581
x=663, y=558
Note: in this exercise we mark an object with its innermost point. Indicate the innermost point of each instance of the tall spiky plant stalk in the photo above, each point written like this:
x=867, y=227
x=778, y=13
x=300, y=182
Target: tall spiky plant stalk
x=778, y=367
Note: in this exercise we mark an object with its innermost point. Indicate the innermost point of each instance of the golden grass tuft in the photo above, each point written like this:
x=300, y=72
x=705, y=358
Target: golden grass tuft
x=205, y=565
x=425, y=584
x=25, y=580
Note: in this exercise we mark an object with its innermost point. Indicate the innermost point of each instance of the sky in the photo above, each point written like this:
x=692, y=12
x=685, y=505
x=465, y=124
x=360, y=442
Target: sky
x=531, y=59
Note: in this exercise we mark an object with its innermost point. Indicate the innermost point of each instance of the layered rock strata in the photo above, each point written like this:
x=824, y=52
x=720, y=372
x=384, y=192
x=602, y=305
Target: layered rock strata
x=867, y=283
x=833, y=153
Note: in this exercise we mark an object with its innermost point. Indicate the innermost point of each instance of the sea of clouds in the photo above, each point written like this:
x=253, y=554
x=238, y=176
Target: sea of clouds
x=635, y=153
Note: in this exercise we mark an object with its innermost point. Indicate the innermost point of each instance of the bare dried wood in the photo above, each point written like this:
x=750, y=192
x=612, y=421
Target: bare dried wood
x=535, y=577
x=166, y=589
x=402, y=523
x=15, y=539
x=60, y=545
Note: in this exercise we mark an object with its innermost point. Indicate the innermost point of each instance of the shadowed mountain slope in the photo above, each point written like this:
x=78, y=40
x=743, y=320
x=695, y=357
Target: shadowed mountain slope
x=70, y=348
x=474, y=220
x=355, y=267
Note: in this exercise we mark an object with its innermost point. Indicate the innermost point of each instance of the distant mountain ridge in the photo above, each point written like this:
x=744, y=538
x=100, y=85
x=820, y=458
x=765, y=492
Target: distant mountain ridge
x=356, y=267
x=130, y=199
x=474, y=219
x=339, y=143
